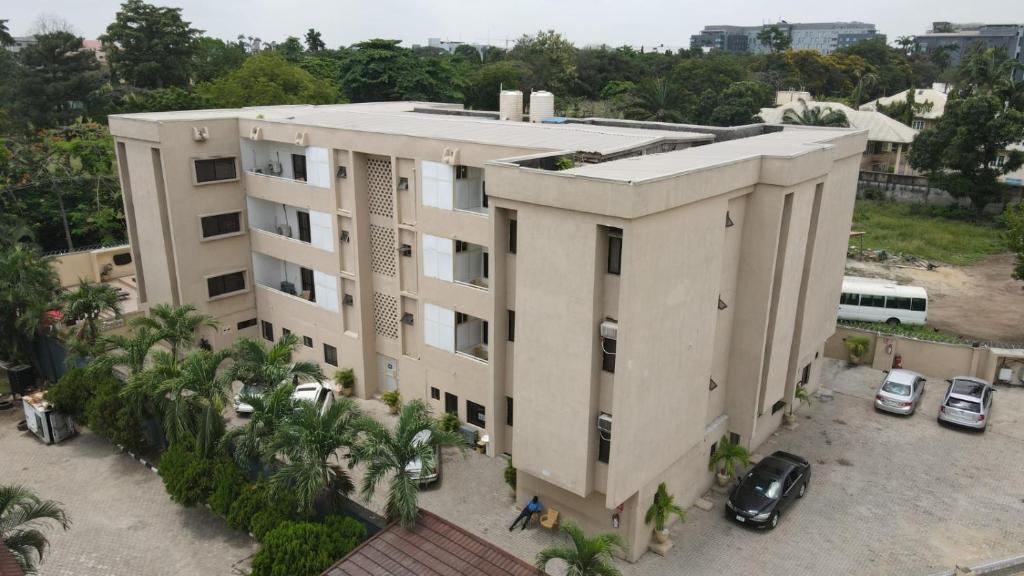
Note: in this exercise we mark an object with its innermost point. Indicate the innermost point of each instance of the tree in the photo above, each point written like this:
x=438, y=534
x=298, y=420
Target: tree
x=176, y=325
x=150, y=46
x=291, y=49
x=815, y=116
x=267, y=79
x=23, y=516
x=906, y=43
x=658, y=100
x=5, y=36
x=313, y=41
x=551, y=59
x=959, y=153
x=774, y=38
x=195, y=400
x=584, y=556
x=388, y=453
x=263, y=368
x=740, y=103
x=128, y=352
x=381, y=70
x=1014, y=216
x=988, y=71
x=54, y=79
x=28, y=290
x=252, y=442
x=213, y=58
x=86, y=304
x=489, y=79
x=309, y=440
x=864, y=83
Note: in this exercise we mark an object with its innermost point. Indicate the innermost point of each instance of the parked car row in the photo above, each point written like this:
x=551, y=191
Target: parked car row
x=967, y=401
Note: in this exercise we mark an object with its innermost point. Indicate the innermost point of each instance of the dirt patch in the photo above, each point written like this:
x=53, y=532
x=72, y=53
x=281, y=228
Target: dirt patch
x=844, y=462
x=979, y=301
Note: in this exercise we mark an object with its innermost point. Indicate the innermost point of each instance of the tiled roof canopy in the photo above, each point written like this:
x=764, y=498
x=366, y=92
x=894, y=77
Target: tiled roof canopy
x=8, y=565
x=434, y=547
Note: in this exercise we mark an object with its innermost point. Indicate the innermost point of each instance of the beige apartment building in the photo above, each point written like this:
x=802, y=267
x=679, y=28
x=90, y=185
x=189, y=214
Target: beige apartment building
x=603, y=300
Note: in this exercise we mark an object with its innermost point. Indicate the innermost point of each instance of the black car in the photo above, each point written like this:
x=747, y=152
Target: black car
x=770, y=487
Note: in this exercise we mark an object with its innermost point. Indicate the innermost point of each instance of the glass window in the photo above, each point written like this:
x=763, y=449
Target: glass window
x=451, y=403
x=511, y=325
x=614, y=250
x=765, y=485
x=918, y=304
x=330, y=355
x=897, y=303
x=849, y=299
x=305, y=232
x=220, y=224
x=508, y=410
x=435, y=393
x=475, y=414
x=215, y=169
x=872, y=300
x=604, y=445
x=268, y=331
x=307, y=341
x=608, y=354
x=512, y=232
x=966, y=405
x=896, y=388
x=225, y=284
x=246, y=323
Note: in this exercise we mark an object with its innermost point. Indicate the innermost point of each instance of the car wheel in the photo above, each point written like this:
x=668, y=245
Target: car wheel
x=803, y=488
x=893, y=321
x=773, y=521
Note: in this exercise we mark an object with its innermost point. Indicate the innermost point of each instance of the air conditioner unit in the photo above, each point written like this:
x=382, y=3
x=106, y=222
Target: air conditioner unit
x=604, y=424
x=408, y=319
x=347, y=300
x=344, y=236
x=450, y=156
x=468, y=434
x=405, y=250
x=284, y=230
x=256, y=133
x=610, y=329
x=200, y=133
x=301, y=138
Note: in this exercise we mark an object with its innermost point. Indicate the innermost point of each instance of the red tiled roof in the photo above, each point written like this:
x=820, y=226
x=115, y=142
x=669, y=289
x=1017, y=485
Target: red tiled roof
x=8, y=565
x=434, y=547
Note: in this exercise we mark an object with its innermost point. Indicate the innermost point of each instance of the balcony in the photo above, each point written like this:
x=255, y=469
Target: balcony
x=309, y=164
x=470, y=195
x=317, y=288
x=308, y=226
x=471, y=265
x=471, y=336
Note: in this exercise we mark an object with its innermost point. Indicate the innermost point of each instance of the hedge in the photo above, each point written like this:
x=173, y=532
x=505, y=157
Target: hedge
x=186, y=475
x=306, y=548
x=71, y=393
x=228, y=482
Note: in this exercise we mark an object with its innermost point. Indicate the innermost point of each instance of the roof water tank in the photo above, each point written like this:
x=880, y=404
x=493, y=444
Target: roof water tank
x=542, y=105
x=510, y=105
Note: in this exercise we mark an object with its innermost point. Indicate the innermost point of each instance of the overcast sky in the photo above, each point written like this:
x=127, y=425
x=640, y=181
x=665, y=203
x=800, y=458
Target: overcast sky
x=614, y=22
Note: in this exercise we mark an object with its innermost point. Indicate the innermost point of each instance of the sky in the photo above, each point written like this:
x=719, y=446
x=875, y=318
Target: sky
x=613, y=22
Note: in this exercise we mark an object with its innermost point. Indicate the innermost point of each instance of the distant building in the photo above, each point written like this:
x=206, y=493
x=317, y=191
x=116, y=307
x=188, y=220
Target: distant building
x=21, y=42
x=825, y=37
x=450, y=46
x=1009, y=37
x=924, y=118
x=97, y=48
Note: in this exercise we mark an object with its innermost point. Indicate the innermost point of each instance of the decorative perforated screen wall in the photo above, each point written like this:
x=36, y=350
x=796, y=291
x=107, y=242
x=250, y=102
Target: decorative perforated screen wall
x=383, y=253
x=385, y=315
x=381, y=188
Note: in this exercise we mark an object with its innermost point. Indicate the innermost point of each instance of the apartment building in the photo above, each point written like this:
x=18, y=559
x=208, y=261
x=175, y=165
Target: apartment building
x=825, y=37
x=603, y=300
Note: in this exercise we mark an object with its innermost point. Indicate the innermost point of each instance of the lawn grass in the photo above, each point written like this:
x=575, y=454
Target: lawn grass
x=911, y=229
x=917, y=332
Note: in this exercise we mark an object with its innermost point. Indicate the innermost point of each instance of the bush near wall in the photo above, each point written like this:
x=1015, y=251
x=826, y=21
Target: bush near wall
x=71, y=393
x=186, y=475
x=251, y=499
x=109, y=415
x=306, y=548
x=228, y=482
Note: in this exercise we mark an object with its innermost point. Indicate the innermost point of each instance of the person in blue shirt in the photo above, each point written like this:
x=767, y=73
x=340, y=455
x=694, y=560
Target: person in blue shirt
x=532, y=507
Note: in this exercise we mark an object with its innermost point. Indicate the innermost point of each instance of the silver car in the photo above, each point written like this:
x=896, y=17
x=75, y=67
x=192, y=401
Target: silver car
x=900, y=392
x=968, y=402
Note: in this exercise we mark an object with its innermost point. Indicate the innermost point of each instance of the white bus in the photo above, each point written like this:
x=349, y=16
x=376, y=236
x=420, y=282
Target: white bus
x=873, y=300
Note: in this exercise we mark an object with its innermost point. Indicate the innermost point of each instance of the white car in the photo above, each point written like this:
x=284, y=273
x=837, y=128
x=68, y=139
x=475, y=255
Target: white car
x=316, y=393
x=416, y=469
x=247, y=389
x=900, y=392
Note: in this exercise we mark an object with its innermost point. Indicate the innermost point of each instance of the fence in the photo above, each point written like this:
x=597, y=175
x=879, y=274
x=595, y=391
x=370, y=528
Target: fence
x=916, y=190
x=936, y=359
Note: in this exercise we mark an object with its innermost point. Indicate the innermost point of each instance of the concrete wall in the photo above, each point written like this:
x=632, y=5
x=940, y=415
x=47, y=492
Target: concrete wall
x=92, y=265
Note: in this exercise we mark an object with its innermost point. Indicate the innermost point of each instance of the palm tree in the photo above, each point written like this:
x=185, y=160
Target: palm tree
x=177, y=325
x=22, y=517
x=586, y=556
x=28, y=291
x=864, y=83
x=309, y=441
x=195, y=399
x=815, y=116
x=86, y=304
x=129, y=352
x=656, y=99
x=263, y=368
x=906, y=43
x=389, y=453
x=986, y=71
x=252, y=442
x=728, y=455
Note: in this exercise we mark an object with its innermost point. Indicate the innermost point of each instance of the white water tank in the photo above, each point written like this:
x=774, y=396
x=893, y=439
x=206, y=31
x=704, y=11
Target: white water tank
x=510, y=105
x=542, y=105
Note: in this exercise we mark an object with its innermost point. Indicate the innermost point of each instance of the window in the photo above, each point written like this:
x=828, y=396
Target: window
x=438, y=185
x=246, y=324
x=435, y=394
x=475, y=414
x=897, y=303
x=299, y=166
x=508, y=410
x=511, y=325
x=225, y=284
x=778, y=406
x=805, y=376
x=268, y=331
x=220, y=224
x=608, y=346
x=330, y=355
x=604, y=443
x=917, y=124
x=437, y=257
x=285, y=332
x=512, y=232
x=451, y=403
x=872, y=300
x=849, y=299
x=307, y=341
x=439, y=327
x=305, y=234
x=306, y=277
x=123, y=259
x=614, y=250
x=918, y=304
x=215, y=169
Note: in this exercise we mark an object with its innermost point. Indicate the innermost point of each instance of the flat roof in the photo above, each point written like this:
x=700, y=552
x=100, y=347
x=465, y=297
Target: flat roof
x=399, y=118
x=434, y=547
x=787, y=143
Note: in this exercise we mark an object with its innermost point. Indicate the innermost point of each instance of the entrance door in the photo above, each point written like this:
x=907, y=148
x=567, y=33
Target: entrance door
x=387, y=373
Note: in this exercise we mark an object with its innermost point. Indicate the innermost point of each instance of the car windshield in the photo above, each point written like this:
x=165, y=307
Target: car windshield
x=967, y=405
x=968, y=388
x=896, y=388
x=763, y=485
x=250, y=389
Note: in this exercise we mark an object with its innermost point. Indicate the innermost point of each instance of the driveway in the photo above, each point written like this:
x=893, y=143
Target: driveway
x=889, y=495
x=124, y=524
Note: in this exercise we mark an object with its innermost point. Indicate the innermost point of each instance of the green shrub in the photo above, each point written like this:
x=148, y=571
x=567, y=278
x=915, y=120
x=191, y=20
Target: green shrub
x=251, y=499
x=510, y=474
x=305, y=548
x=873, y=194
x=186, y=475
x=393, y=399
x=228, y=482
x=345, y=378
x=450, y=422
x=857, y=346
x=109, y=415
x=282, y=507
x=71, y=393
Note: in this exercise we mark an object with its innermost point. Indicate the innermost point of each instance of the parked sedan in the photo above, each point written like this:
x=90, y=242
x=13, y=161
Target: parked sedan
x=968, y=402
x=417, y=471
x=316, y=393
x=768, y=489
x=247, y=390
x=900, y=392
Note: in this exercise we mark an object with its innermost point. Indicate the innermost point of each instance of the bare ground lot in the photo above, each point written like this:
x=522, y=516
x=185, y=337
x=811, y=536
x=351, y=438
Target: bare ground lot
x=978, y=301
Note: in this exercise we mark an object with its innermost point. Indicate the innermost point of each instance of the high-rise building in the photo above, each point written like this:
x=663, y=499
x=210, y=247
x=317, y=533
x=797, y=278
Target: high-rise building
x=602, y=300
x=825, y=37
x=962, y=38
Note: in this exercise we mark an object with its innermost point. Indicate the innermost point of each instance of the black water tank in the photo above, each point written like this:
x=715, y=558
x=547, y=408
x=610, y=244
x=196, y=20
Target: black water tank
x=22, y=379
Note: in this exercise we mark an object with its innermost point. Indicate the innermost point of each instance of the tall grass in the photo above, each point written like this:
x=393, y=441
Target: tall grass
x=919, y=231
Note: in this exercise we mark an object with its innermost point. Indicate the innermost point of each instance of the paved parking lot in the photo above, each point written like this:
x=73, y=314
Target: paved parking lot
x=123, y=522
x=889, y=495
